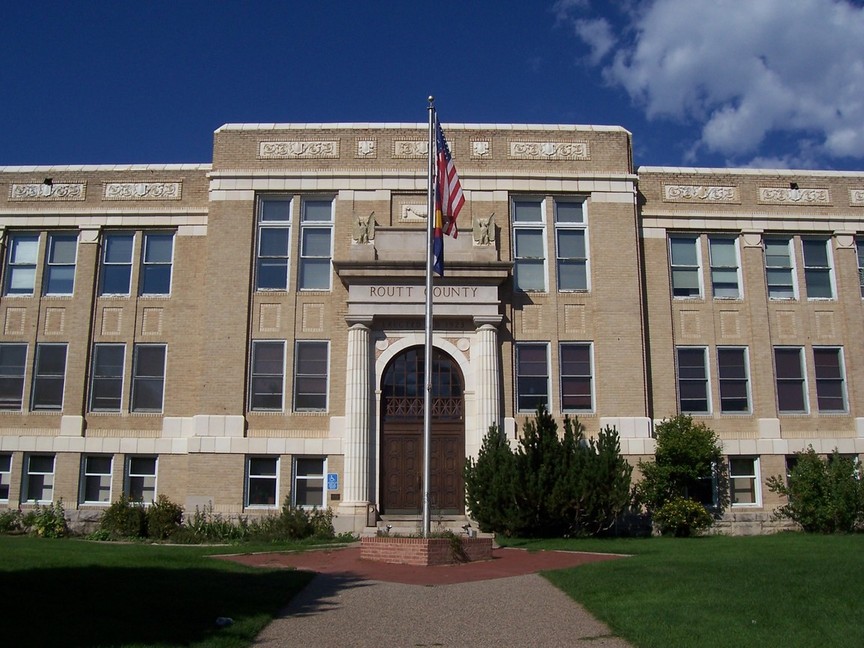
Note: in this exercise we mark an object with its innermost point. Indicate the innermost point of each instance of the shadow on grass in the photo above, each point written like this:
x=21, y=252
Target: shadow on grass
x=111, y=606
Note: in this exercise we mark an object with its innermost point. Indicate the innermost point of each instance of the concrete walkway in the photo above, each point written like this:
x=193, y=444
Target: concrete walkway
x=357, y=603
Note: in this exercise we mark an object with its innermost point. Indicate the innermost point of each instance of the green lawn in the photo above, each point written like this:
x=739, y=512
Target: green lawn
x=78, y=593
x=782, y=590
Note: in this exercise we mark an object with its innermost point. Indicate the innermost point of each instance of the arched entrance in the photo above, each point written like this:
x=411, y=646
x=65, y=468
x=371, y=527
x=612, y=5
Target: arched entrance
x=402, y=435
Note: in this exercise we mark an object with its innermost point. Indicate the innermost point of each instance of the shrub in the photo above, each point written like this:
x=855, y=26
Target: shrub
x=551, y=485
x=11, y=521
x=163, y=518
x=824, y=495
x=47, y=521
x=124, y=519
x=689, y=464
x=682, y=517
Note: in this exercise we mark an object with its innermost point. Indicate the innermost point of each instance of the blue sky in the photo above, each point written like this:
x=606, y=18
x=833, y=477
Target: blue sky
x=768, y=83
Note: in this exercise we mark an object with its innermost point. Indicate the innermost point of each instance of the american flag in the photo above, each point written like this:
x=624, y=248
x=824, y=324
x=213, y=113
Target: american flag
x=448, y=188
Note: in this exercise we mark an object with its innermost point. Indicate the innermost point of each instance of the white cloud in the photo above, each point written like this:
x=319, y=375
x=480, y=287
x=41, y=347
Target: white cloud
x=745, y=69
x=597, y=33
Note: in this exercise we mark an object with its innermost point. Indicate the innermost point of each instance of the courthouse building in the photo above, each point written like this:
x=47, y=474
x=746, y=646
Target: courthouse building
x=236, y=333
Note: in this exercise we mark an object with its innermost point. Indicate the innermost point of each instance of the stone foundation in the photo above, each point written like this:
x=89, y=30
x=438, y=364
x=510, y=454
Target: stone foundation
x=424, y=552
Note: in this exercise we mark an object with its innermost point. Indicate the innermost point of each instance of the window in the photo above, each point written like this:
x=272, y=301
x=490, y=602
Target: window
x=732, y=372
x=684, y=255
x=576, y=392
x=316, y=244
x=5, y=476
x=692, y=381
x=830, y=388
x=140, y=482
x=529, y=246
x=310, y=376
x=148, y=377
x=571, y=245
x=860, y=245
x=532, y=377
x=725, y=281
x=49, y=376
x=21, y=256
x=38, y=479
x=156, y=262
x=116, y=272
x=309, y=482
x=817, y=268
x=267, y=383
x=106, y=377
x=779, y=271
x=274, y=241
x=262, y=481
x=789, y=369
x=744, y=481
x=13, y=358
x=60, y=264
x=96, y=479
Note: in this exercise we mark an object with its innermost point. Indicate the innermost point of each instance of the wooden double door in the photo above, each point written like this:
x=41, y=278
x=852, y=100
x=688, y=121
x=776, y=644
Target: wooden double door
x=402, y=437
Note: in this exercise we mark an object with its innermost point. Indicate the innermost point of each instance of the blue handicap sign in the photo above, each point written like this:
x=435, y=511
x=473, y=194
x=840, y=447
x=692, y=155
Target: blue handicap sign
x=332, y=481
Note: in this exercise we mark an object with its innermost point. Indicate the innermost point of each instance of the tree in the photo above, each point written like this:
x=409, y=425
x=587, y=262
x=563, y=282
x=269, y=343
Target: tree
x=823, y=495
x=688, y=464
x=552, y=484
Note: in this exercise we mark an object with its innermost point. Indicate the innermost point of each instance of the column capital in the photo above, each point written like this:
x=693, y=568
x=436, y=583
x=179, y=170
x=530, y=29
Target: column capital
x=488, y=320
x=363, y=320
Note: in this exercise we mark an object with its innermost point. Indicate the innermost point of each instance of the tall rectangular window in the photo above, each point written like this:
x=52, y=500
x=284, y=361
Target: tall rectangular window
x=267, y=383
x=532, y=376
x=744, y=481
x=791, y=387
x=21, y=257
x=96, y=479
x=779, y=268
x=157, y=260
x=693, y=381
x=139, y=484
x=5, y=476
x=262, y=481
x=60, y=264
x=859, y=243
x=571, y=245
x=38, y=479
x=830, y=384
x=148, y=377
x=576, y=378
x=13, y=360
x=309, y=482
x=274, y=243
x=529, y=245
x=316, y=244
x=684, y=256
x=733, y=375
x=106, y=377
x=817, y=268
x=116, y=272
x=725, y=281
x=310, y=376
x=49, y=377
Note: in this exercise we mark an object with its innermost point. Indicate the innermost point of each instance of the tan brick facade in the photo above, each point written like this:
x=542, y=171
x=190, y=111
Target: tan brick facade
x=243, y=413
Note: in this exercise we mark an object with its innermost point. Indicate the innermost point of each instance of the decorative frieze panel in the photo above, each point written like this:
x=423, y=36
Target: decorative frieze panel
x=143, y=191
x=481, y=149
x=856, y=197
x=549, y=151
x=297, y=150
x=700, y=194
x=413, y=212
x=792, y=196
x=367, y=148
x=405, y=149
x=48, y=191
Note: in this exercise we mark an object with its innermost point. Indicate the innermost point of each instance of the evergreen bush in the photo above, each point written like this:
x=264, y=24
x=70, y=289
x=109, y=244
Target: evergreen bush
x=164, y=518
x=124, y=519
x=682, y=517
x=823, y=495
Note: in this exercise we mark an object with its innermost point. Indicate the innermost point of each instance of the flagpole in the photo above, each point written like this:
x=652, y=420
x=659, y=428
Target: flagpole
x=427, y=364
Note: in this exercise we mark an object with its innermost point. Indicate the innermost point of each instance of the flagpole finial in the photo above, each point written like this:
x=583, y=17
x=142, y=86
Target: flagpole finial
x=431, y=99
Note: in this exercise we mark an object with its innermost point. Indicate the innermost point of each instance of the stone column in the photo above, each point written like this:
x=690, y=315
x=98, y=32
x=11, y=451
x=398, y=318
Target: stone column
x=488, y=375
x=356, y=442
